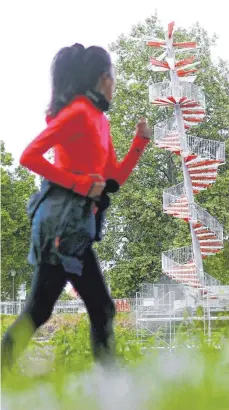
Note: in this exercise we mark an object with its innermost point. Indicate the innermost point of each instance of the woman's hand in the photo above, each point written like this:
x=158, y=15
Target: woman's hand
x=97, y=188
x=143, y=129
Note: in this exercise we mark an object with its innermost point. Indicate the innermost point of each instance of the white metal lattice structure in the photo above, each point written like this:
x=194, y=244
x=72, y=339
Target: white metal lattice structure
x=200, y=160
x=155, y=315
x=162, y=308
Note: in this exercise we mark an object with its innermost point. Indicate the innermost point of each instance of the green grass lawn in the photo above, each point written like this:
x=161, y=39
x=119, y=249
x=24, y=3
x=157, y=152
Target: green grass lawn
x=57, y=371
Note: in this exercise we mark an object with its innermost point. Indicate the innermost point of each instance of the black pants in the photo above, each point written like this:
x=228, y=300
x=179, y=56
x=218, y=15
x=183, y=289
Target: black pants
x=48, y=283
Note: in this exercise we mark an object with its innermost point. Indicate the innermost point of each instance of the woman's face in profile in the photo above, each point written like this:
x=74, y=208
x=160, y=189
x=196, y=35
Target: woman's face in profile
x=108, y=84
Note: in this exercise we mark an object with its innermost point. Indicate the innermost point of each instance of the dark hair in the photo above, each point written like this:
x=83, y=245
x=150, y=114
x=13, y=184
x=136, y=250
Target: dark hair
x=74, y=71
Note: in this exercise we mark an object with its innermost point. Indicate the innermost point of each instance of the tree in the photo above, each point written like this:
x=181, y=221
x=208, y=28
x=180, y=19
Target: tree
x=17, y=184
x=137, y=229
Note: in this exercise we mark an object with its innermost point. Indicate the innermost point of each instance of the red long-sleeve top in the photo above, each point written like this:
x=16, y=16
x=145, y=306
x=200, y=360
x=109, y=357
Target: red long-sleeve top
x=80, y=135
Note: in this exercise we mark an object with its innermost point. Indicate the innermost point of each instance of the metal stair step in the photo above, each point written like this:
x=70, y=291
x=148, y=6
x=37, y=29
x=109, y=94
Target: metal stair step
x=214, y=242
x=208, y=235
x=201, y=172
x=199, y=178
x=203, y=162
x=211, y=248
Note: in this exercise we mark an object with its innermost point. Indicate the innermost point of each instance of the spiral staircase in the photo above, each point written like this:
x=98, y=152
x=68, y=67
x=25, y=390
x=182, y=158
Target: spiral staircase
x=200, y=161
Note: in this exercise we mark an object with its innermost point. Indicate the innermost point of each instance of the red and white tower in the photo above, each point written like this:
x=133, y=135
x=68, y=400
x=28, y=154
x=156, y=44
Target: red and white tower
x=200, y=160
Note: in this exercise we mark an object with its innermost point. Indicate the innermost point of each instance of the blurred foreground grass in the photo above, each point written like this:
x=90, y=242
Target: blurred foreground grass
x=57, y=371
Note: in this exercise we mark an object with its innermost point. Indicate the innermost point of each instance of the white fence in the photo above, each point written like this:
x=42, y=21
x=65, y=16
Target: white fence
x=149, y=296
x=67, y=306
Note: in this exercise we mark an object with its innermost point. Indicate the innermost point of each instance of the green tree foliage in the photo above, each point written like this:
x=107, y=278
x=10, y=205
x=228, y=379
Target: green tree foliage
x=138, y=231
x=17, y=184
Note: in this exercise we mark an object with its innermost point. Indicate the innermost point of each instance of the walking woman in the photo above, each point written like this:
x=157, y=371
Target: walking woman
x=68, y=211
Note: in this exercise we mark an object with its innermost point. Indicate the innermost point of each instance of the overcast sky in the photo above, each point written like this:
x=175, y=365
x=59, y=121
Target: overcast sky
x=33, y=31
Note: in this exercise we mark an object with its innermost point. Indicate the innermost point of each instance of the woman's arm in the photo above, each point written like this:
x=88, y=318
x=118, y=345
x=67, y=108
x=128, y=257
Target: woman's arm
x=120, y=171
x=67, y=123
